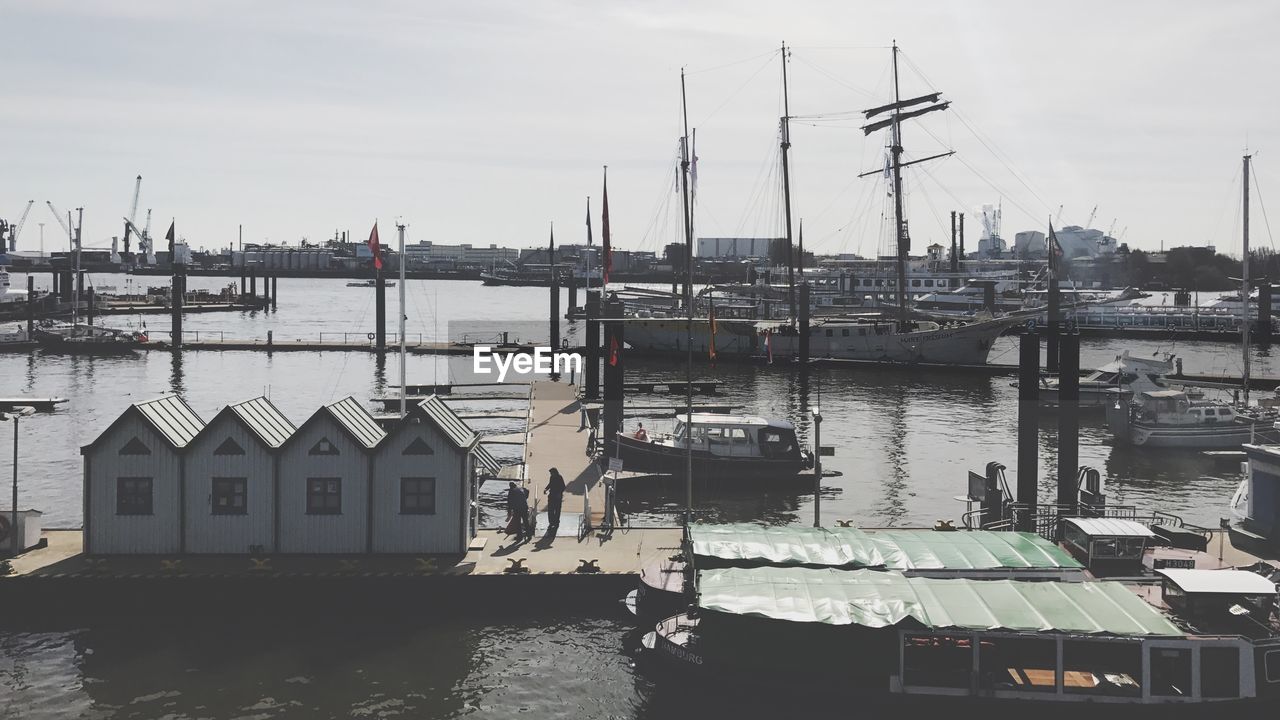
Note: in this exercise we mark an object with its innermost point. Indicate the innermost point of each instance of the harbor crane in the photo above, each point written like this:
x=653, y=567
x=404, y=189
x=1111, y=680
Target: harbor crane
x=1092, y=215
x=145, y=252
x=14, y=230
x=66, y=224
x=133, y=214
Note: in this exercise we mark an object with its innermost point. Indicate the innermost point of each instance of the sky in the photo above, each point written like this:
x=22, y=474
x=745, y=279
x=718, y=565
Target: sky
x=485, y=122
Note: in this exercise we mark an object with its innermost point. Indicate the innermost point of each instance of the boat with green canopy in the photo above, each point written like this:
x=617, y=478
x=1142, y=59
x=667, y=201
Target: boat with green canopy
x=1196, y=636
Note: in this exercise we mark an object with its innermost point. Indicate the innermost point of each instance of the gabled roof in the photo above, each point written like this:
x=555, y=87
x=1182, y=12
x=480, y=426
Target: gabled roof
x=874, y=599
x=486, y=460
x=173, y=418
x=352, y=418
x=357, y=421
x=262, y=418
x=265, y=420
x=169, y=415
x=453, y=427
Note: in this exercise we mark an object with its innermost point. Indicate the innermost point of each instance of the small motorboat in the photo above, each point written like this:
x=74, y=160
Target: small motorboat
x=723, y=447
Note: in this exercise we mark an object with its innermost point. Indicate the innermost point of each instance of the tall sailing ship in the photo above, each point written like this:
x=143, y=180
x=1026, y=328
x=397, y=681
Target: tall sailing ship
x=898, y=339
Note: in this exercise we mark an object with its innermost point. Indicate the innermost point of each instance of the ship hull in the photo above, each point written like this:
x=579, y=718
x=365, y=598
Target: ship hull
x=653, y=457
x=961, y=345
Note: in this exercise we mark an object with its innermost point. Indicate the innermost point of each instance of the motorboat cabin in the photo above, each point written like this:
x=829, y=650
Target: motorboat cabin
x=1107, y=546
x=722, y=446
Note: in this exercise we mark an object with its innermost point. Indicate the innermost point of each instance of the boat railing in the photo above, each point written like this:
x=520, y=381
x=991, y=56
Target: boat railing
x=1045, y=518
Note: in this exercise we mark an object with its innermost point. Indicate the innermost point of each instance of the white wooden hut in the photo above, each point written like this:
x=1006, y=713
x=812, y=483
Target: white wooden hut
x=323, y=480
x=231, y=479
x=133, y=479
x=423, y=482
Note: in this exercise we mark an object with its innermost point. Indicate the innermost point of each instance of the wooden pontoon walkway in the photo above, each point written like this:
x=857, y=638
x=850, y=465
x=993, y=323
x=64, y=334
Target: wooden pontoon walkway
x=554, y=438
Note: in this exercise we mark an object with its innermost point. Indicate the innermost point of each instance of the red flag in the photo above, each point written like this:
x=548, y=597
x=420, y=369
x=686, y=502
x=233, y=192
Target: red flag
x=613, y=350
x=375, y=247
x=606, y=252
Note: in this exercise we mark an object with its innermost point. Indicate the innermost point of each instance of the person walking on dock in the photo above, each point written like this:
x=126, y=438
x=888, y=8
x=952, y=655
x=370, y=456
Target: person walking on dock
x=555, y=497
x=517, y=511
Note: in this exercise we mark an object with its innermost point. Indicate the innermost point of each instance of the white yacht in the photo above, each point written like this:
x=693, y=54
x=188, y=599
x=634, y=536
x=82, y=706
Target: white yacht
x=1128, y=375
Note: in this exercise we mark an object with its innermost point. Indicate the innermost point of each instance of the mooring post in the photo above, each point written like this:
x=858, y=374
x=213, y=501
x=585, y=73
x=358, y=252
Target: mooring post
x=804, y=323
x=1028, y=426
x=31, y=305
x=379, y=313
x=253, y=285
x=554, y=318
x=1051, y=348
x=68, y=283
x=275, y=290
x=55, y=284
x=613, y=398
x=817, y=462
x=89, y=312
x=1068, y=418
x=993, y=497
x=244, y=282
x=592, y=359
x=177, y=289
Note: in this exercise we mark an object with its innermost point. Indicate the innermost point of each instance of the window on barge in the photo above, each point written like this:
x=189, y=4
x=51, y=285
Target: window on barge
x=936, y=660
x=1018, y=664
x=1091, y=667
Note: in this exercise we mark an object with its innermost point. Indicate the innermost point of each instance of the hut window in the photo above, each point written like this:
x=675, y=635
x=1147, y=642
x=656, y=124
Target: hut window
x=324, y=447
x=324, y=496
x=135, y=447
x=133, y=496
x=230, y=496
x=417, y=496
x=418, y=447
x=229, y=447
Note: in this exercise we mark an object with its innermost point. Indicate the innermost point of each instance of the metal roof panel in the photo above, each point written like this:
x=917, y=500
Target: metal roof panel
x=1113, y=527
x=357, y=421
x=872, y=598
x=1234, y=582
x=172, y=418
x=266, y=421
x=453, y=427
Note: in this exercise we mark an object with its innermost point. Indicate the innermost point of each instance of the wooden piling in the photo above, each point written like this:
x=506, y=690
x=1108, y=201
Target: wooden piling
x=1028, y=426
x=1068, y=417
x=592, y=359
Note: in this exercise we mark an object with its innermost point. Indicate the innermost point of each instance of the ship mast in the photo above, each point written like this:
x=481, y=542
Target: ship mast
x=688, y=307
x=894, y=122
x=786, y=191
x=1244, y=282
x=899, y=223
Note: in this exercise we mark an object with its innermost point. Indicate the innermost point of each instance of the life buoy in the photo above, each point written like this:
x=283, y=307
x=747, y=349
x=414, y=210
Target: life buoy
x=371, y=336
x=5, y=526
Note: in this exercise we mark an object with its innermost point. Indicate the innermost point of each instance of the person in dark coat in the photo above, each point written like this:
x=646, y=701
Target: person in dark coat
x=555, y=496
x=517, y=511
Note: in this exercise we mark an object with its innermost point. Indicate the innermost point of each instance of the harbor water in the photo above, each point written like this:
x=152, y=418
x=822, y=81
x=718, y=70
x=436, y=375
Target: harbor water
x=904, y=439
